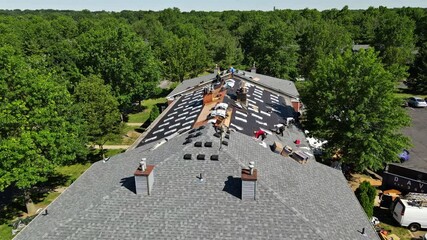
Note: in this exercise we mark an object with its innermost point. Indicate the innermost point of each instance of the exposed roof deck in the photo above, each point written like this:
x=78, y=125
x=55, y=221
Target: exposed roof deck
x=264, y=109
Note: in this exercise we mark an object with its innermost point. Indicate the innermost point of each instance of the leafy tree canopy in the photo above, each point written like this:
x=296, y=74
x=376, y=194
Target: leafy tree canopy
x=99, y=109
x=39, y=129
x=351, y=103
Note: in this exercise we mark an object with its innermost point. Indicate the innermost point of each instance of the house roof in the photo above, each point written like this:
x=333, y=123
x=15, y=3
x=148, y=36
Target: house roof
x=188, y=85
x=265, y=109
x=294, y=201
x=358, y=47
x=276, y=84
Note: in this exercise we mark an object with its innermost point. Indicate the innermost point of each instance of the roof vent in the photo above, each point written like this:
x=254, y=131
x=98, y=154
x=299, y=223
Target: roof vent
x=214, y=158
x=198, y=144
x=201, y=127
x=198, y=134
x=192, y=130
x=217, y=135
x=225, y=143
x=190, y=136
x=187, y=141
x=187, y=156
x=201, y=157
x=208, y=144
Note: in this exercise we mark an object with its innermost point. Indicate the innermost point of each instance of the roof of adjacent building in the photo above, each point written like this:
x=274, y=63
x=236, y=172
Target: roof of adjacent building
x=358, y=47
x=294, y=201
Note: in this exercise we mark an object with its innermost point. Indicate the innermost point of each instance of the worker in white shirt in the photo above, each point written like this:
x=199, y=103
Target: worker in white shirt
x=279, y=128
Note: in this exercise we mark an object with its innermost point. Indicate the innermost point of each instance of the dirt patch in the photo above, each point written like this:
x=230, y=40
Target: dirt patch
x=60, y=189
x=357, y=178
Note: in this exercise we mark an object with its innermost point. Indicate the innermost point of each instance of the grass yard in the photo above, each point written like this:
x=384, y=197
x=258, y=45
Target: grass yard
x=401, y=232
x=127, y=136
x=73, y=171
x=389, y=224
x=141, y=117
x=5, y=232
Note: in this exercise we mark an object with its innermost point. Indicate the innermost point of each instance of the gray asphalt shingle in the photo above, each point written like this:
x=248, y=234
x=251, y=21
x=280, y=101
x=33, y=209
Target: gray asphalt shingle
x=295, y=201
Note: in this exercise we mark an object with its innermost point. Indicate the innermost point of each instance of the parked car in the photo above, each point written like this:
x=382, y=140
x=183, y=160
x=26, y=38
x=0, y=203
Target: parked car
x=416, y=102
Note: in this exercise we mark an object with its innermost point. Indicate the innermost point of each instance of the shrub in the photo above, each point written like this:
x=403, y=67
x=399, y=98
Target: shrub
x=366, y=195
x=154, y=113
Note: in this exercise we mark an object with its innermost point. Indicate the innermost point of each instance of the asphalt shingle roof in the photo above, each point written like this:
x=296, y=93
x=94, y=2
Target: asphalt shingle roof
x=265, y=109
x=294, y=201
x=283, y=86
x=280, y=85
x=189, y=84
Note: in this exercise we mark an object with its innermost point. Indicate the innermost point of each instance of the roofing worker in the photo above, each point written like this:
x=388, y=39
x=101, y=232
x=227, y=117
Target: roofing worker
x=260, y=133
x=232, y=71
x=279, y=128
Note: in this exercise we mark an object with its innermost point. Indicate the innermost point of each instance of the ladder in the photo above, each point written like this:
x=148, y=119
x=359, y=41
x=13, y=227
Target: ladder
x=417, y=199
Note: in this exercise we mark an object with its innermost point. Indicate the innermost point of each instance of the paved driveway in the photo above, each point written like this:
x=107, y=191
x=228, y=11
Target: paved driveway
x=418, y=134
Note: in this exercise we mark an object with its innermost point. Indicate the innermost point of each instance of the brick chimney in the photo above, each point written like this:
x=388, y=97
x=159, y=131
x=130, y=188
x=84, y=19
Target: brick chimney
x=296, y=104
x=249, y=182
x=144, y=178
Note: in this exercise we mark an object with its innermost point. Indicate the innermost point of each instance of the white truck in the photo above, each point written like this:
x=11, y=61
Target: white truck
x=411, y=211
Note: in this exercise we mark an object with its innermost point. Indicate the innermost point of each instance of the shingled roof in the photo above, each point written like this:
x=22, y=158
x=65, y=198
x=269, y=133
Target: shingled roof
x=189, y=84
x=279, y=85
x=294, y=201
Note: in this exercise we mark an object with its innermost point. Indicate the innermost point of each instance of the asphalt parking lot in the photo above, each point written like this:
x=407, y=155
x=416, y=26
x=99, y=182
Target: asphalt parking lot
x=418, y=134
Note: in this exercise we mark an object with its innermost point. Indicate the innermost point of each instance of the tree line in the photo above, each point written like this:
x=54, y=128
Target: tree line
x=67, y=77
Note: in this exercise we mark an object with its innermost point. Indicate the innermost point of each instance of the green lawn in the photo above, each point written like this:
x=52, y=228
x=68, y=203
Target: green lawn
x=73, y=171
x=389, y=224
x=141, y=117
x=401, y=232
x=5, y=232
x=127, y=136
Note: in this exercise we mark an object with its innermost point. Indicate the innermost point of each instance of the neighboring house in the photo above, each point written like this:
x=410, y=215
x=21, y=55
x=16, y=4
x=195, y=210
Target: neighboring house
x=358, y=47
x=195, y=182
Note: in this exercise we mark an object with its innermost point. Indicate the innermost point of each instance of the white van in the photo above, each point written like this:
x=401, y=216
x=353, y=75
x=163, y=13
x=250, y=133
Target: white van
x=411, y=213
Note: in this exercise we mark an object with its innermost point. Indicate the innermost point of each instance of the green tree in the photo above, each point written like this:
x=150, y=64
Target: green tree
x=273, y=47
x=38, y=127
x=395, y=41
x=99, y=109
x=124, y=61
x=351, y=103
x=184, y=57
x=366, y=194
x=418, y=80
x=321, y=39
